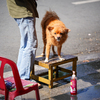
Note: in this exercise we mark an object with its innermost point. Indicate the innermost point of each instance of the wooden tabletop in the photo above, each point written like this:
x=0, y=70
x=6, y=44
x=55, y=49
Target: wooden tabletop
x=54, y=60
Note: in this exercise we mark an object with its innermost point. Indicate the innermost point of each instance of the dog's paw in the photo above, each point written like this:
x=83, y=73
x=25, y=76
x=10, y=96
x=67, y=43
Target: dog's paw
x=46, y=60
x=42, y=54
x=61, y=58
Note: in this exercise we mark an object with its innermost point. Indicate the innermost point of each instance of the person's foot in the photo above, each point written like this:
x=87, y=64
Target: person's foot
x=39, y=85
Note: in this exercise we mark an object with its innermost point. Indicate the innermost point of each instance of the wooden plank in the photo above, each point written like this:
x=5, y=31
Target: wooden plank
x=74, y=65
x=61, y=62
x=66, y=70
x=54, y=61
x=50, y=73
x=60, y=78
x=42, y=64
x=41, y=79
x=56, y=68
x=45, y=73
x=42, y=74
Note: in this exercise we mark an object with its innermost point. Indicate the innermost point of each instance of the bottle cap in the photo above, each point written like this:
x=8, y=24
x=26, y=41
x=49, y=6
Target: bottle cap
x=73, y=76
x=74, y=72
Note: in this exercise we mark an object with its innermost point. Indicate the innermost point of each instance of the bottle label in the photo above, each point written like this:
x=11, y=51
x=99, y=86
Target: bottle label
x=73, y=86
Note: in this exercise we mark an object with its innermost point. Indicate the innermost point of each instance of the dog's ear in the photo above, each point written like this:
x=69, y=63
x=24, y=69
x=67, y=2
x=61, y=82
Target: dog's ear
x=50, y=28
x=67, y=30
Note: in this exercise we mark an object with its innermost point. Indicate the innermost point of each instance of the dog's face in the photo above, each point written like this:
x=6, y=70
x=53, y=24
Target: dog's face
x=58, y=32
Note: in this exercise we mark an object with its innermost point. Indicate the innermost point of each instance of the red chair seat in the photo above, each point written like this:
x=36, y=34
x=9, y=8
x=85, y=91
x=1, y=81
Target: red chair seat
x=25, y=83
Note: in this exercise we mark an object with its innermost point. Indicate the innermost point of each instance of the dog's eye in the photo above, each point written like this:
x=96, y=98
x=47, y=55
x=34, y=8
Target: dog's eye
x=54, y=33
x=60, y=33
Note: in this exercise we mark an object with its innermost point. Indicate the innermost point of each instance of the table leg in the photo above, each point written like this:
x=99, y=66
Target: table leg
x=56, y=72
x=74, y=66
x=50, y=73
x=32, y=72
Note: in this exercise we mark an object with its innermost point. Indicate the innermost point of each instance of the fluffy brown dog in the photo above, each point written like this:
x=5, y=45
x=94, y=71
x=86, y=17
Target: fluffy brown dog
x=54, y=33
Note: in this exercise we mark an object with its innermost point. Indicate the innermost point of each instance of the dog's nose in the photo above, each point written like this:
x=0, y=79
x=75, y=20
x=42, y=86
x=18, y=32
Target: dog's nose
x=58, y=38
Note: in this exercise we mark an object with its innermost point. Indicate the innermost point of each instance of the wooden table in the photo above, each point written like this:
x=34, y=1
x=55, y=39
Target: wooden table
x=53, y=68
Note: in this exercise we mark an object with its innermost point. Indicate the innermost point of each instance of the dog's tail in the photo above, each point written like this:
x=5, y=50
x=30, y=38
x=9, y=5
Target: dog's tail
x=50, y=15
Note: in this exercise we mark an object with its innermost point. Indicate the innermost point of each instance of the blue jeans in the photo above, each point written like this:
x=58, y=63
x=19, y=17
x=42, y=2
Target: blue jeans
x=28, y=46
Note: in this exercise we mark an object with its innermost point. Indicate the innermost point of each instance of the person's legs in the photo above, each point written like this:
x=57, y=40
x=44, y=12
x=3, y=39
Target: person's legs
x=28, y=46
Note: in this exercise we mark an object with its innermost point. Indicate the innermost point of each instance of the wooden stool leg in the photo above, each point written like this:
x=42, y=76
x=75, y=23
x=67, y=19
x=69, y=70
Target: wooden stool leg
x=50, y=73
x=74, y=66
x=32, y=72
x=56, y=72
